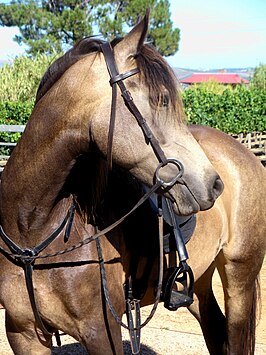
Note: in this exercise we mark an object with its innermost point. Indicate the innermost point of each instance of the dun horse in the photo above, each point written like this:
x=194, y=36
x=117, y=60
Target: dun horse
x=51, y=198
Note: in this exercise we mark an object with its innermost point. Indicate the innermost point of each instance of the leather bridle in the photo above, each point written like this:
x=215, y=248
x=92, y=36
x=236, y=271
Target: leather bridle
x=117, y=79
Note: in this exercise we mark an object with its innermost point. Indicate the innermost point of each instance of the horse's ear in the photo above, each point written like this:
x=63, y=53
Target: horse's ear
x=132, y=42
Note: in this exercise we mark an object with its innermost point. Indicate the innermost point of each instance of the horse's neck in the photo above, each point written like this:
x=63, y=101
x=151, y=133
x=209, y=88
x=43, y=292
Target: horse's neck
x=34, y=177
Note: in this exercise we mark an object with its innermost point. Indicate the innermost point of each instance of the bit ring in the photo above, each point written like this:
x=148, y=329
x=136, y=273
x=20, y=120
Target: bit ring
x=175, y=179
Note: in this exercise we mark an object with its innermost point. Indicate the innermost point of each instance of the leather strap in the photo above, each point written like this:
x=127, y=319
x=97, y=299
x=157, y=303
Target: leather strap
x=134, y=326
x=26, y=255
x=180, y=244
x=134, y=329
x=123, y=76
x=28, y=268
x=116, y=78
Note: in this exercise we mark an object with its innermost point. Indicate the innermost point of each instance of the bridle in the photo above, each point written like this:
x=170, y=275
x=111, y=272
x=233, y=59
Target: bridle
x=117, y=79
x=26, y=257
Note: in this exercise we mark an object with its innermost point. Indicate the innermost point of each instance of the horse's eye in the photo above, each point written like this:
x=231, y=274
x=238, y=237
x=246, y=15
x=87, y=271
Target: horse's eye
x=164, y=100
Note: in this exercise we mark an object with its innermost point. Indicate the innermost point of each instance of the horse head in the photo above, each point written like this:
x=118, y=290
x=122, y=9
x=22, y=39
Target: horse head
x=154, y=91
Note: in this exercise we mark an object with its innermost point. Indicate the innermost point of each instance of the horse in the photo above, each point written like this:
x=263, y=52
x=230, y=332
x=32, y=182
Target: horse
x=54, y=182
x=47, y=205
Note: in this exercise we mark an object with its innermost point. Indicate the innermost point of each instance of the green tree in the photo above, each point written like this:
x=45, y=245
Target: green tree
x=259, y=77
x=49, y=25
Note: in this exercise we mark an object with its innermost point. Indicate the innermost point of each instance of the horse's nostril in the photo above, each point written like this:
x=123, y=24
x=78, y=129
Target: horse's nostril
x=218, y=187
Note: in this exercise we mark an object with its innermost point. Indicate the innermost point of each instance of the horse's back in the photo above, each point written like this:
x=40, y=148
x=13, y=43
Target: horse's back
x=227, y=152
x=244, y=196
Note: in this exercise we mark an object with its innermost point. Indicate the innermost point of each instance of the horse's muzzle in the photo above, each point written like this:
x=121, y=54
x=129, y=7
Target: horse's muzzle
x=218, y=188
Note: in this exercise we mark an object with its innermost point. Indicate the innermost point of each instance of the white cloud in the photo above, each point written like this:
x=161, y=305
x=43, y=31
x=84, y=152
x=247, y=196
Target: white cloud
x=8, y=47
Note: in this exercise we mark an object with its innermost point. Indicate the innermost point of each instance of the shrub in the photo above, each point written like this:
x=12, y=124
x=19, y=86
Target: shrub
x=13, y=113
x=232, y=111
x=259, y=77
x=20, y=80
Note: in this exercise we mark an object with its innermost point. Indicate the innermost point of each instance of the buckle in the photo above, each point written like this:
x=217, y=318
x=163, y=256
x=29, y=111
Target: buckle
x=134, y=325
x=27, y=256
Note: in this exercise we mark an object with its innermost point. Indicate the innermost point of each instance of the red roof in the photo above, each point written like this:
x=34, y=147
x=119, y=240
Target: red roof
x=223, y=78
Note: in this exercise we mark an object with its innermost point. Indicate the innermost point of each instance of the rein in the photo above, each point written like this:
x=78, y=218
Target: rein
x=27, y=256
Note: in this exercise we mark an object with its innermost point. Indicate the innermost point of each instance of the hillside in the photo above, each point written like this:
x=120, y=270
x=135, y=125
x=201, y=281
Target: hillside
x=246, y=73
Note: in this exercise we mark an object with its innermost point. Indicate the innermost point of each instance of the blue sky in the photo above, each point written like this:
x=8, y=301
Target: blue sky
x=231, y=33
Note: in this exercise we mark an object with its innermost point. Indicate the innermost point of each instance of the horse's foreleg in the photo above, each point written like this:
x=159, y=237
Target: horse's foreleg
x=100, y=340
x=241, y=287
x=26, y=341
x=207, y=311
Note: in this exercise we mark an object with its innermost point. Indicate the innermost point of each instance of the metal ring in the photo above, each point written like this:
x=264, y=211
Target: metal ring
x=178, y=164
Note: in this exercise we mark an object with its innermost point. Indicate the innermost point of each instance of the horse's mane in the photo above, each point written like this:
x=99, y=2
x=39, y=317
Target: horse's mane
x=157, y=73
x=158, y=77
x=95, y=190
x=59, y=66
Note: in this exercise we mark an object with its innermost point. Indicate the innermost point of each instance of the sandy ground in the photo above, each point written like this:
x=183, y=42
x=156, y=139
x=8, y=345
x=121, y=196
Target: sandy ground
x=168, y=333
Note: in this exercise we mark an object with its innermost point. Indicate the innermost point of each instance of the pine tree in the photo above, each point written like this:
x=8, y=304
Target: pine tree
x=54, y=25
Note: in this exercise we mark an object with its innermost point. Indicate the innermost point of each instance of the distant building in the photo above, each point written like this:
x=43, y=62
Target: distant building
x=222, y=78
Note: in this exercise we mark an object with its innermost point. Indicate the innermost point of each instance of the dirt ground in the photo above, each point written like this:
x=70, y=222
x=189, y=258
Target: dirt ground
x=168, y=333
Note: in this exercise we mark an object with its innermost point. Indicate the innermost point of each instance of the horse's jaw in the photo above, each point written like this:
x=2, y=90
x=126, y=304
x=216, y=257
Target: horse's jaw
x=196, y=190
x=186, y=202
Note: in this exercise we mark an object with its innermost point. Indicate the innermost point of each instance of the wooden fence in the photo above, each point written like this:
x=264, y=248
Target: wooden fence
x=255, y=141
x=8, y=129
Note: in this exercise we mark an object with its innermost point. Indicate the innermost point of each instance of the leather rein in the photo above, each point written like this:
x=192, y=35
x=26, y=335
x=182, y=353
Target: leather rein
x=26, y=257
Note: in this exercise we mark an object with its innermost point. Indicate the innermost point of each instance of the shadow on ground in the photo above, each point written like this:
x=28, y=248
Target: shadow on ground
x=78, y=349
